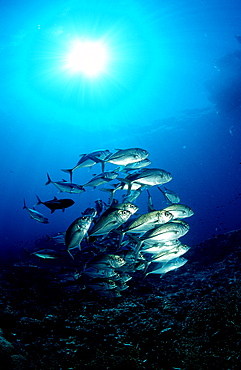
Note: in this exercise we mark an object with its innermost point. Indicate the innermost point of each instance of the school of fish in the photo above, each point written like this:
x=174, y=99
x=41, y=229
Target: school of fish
x=111, y=242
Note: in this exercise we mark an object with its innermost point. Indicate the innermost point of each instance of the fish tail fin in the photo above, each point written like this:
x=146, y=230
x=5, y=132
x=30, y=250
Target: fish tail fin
x=70, y=172
x=121, y=233
x=24, y=204
x=49, y=180
x=71, y=255
x=161, y=189
x=49, y=238
x=127, y=182
x=111, y=191
x=39, y=201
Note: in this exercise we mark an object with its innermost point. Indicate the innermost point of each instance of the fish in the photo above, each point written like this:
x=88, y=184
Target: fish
x=147, y=176
x=149, y=221
x=100, y=206
x=169, y=195
x=135, y=166
x=101, y=285
x=94, y=272
x=35, y=215
x=106, y=260
x=90, y=211
x=179, y=210
x=88, y=160
x=112, y=218
x=56, y=203
x=102, y=178
x=134, y=194
x=150, y=205
x=76, y=232
x=111, y=242
x=166, y=256
x=65, y=186
x=45, y=254
x=125, y=157
x=170, y=231
x=162, y=269
x=160, y=247
x=58, y=239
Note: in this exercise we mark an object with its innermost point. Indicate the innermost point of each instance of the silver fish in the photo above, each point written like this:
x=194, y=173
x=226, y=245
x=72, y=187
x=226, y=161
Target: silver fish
x=169, y=195
x=65, y=186
x=102, y=285
x=58, y=239
x=179, y=210
x=112, y=218
x=45, y=254
x=134, y=194
x=102, y=178
x=147, y=176
x=148, y=221
x=169, y=231
x=35, y=215
x=169, y=255
x=124, y=157
x=168, y=266
x=135, y=166
x=150, y=205
x=94, y=272
x=88, y=160
x=107, y=260
x=76, y=232
x=159, y=247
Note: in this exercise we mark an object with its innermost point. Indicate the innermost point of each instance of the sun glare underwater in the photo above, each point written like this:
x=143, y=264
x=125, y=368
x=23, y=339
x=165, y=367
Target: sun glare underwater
x=95, y=58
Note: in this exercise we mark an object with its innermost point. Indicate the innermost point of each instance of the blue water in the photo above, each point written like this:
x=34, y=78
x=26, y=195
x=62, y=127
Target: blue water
x=154, y=94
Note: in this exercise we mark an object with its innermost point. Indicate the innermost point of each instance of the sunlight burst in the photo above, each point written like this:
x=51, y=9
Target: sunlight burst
x=87, y=57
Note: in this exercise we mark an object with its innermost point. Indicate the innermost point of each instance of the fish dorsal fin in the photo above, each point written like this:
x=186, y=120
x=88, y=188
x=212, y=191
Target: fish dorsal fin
x=64, y=180
x=55, y=198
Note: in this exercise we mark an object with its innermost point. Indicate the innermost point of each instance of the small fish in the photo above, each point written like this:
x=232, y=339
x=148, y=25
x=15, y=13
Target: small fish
x=112, y=218
x=35, y=215
x=94, y=272
x=76, y=232
x=166, y=267
x=169, y=255
x=107, y=260
x=146, y=222
x=169, y=195
x=179, y=210
x=88, y=160
x=134, y=194
x=99, y=205
x=150, y=205
x=147, y=176
x=135, y=166
x=58, y=239
x=102, y=285
x=65, y=186
x=90, y=211
x=45, y=254
x=56, y=203
x=169, y=231
x=102, y=178
x=124, y=157
x=160, y=247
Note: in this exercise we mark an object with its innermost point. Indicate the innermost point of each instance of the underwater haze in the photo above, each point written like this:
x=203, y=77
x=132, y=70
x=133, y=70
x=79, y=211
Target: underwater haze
x=171, y=84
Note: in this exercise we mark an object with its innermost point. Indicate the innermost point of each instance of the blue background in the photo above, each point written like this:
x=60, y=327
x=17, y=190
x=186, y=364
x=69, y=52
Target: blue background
x=161, y=91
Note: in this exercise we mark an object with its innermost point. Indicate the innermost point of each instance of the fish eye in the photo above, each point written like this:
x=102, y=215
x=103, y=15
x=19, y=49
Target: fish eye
x=167, y=214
